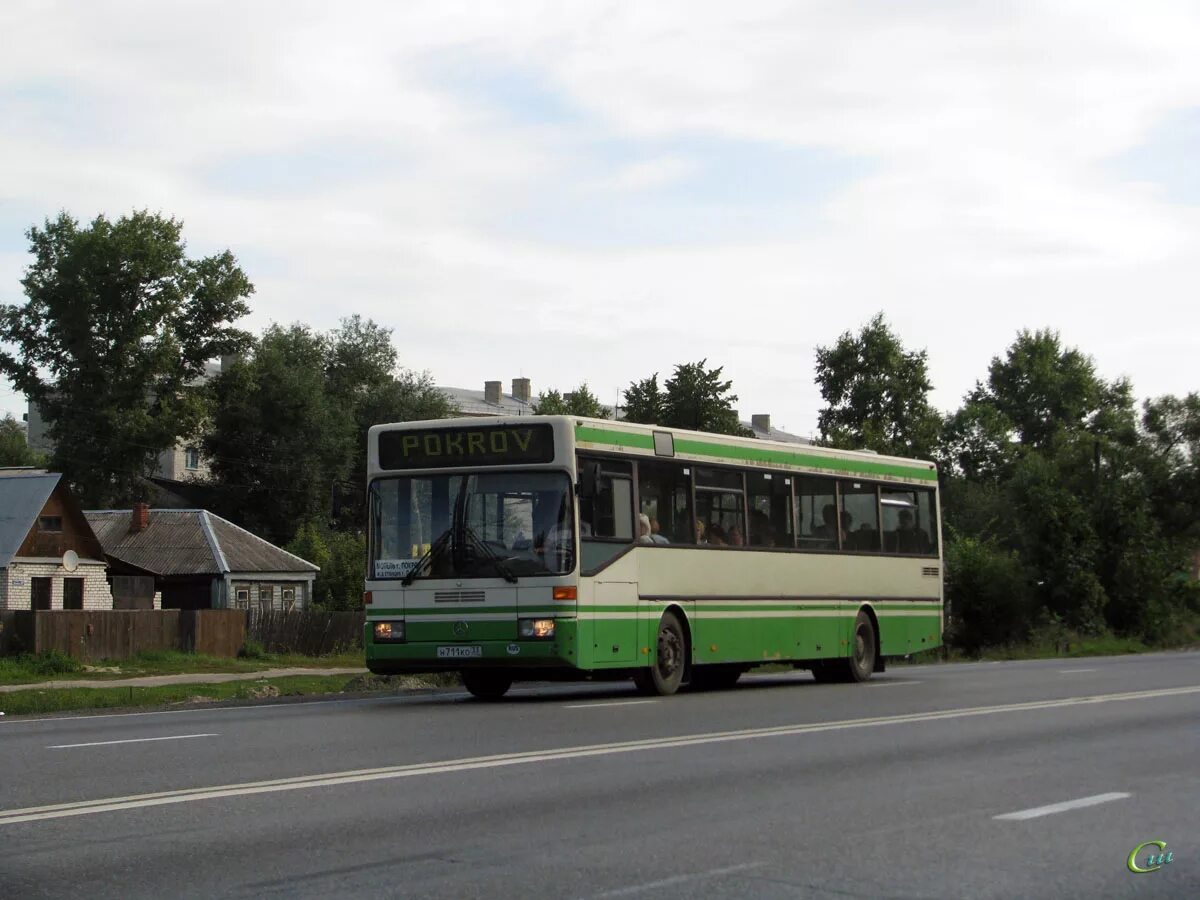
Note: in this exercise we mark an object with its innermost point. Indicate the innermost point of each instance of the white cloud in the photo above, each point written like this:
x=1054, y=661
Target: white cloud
x=986, y=200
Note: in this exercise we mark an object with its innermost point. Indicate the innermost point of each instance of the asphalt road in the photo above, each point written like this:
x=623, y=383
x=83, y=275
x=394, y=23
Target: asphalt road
x=927, y=782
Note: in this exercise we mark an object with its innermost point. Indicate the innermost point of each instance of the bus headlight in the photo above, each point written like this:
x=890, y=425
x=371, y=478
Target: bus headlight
x=389, y=631
x=538, y=629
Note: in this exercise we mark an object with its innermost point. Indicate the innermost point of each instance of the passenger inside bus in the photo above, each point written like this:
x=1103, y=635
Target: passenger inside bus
x=644, y=529
x=656, y=534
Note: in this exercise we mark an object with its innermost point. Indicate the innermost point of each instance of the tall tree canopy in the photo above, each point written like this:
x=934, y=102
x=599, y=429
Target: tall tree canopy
x=116, y=328
x=579, y=402
x=291, y=420
x=876, y=394
x=694, y=397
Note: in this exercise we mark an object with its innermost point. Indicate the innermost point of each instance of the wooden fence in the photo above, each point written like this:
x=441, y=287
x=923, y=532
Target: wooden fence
x=119, y=634
x=312, y=632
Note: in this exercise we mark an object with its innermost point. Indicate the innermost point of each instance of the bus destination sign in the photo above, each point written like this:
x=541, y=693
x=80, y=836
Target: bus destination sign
x=483, y=445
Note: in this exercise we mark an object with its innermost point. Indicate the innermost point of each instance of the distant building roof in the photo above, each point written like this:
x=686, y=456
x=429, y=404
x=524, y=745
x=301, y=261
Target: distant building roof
x=473, y=403
x=23, y=494
x=189, y=542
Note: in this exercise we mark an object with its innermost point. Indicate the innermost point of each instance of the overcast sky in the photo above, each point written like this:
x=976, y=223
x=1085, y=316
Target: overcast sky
x=596, y=191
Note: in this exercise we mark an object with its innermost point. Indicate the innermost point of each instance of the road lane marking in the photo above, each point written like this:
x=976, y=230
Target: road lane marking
x=890, y=683
x=676, y=879
x=606, y=703
x=328, y=779
x=173, y=737
x=1075, y=671
x=1066, y=805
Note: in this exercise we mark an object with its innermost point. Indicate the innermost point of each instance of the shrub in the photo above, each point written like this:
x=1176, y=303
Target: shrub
x=252, y=649
x=988, y=593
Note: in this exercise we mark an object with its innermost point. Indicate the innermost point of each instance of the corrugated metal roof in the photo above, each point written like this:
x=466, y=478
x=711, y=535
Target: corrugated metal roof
x=23, y=494
x=472, y=403
x=246, y=552
x=190, y=542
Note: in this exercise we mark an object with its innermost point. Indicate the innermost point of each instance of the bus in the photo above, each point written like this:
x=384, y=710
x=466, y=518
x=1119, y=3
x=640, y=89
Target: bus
x=558, y=547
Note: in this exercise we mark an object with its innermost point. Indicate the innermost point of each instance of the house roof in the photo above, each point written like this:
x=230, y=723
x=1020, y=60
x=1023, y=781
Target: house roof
x=23, y=494
x=189, y=542
x=472, y=403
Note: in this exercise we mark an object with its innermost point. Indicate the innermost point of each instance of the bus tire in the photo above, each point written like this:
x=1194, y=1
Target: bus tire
x=714, y=677
x=664, y=677
x=486, y=684
x=857, y=668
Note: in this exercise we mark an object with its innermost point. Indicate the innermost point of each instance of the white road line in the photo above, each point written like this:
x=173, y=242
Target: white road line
x=890, y=683
x=606, y=703
x=674, y=880
x=328, y=779
x=1075, y=671
x=173, y=737
x=1053, y=808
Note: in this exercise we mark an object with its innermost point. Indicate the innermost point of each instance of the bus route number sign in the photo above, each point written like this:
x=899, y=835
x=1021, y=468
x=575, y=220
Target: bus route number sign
x=484, y=445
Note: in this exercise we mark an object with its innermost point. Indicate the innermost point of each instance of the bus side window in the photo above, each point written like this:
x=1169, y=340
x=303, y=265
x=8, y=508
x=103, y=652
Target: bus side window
x=665, y=496
x=608, y=512
x=817, y=503
x=769, y=498
x=860, y=517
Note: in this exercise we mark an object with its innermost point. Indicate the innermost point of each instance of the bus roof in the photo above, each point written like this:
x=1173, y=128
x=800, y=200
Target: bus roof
x=638, y=439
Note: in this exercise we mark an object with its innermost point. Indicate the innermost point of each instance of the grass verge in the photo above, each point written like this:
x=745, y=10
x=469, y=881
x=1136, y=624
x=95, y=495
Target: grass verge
x=26, y=669
x=50, y=700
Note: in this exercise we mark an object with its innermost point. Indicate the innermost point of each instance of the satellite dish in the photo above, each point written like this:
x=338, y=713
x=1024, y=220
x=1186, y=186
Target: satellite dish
x=70, y=561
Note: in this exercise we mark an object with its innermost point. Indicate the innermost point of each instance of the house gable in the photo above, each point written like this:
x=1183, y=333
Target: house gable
x=60, y=526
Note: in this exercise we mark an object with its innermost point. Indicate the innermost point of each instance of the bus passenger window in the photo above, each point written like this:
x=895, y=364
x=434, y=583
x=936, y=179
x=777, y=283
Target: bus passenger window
x=817, y=504
x=769, y=499
x=905, y=529
x=860, y=517
x=665, y=497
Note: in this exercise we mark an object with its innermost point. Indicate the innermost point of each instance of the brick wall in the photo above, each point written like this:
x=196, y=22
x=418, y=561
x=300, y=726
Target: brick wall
x=96, y=593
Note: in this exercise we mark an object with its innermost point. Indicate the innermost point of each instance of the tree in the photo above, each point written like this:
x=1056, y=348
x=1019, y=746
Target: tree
x=14, y=449
x=579, y=402
x=115, y=331
x=278, y=441
x=341, y=556
x=876, y=394
x=644, y=402
x=698, y=399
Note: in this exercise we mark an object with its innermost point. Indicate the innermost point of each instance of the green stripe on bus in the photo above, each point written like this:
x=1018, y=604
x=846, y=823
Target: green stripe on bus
x=592, y=434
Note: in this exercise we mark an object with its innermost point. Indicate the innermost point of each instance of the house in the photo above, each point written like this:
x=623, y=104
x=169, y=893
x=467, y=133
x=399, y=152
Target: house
x=49, y=556
x=198, y=560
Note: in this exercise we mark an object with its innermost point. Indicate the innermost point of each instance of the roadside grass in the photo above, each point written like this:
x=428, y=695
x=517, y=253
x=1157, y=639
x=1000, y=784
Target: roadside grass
x=53, y=666
x=50, y=700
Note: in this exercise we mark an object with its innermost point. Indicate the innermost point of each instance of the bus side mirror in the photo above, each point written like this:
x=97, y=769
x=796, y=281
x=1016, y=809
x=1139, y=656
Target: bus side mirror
x=589, y=478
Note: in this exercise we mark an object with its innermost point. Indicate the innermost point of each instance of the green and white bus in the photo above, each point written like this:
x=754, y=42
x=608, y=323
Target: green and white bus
x=548, y=547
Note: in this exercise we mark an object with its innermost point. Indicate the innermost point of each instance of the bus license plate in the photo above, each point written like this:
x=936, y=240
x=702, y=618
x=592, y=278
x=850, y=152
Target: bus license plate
x=458, y=652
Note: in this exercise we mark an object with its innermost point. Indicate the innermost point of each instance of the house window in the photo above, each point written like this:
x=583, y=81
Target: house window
x=50, y=523
x=191, y=459
x=289, y=598
x=266, y=597
x=242, y=598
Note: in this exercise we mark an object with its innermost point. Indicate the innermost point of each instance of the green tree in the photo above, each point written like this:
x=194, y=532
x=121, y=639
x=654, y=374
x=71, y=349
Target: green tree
x=579, y=402
x=116, y=328
x=697, y=398
x=278, y=440
x=14, y=450
x=342, y=558
x=876, y=394
x=645, y=402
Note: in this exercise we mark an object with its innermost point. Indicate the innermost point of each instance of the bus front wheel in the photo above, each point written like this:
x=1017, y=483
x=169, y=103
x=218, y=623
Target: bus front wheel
x=665, y=675
x=486, y=685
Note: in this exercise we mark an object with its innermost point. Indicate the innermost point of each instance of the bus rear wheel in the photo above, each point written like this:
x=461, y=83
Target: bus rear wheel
x=666, y=674
x=486, y=684
x=861, y=663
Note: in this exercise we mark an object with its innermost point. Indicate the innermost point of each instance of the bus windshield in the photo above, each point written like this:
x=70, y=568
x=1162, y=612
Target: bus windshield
x=512, y=524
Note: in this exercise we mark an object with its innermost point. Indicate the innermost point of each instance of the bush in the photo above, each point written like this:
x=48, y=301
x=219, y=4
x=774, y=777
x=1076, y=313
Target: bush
x=252, y=649
x=52, y=662
x=989, y=595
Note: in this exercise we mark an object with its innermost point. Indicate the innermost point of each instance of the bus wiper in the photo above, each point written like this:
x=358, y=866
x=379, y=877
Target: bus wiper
x=427, y=557
x=481, y=545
